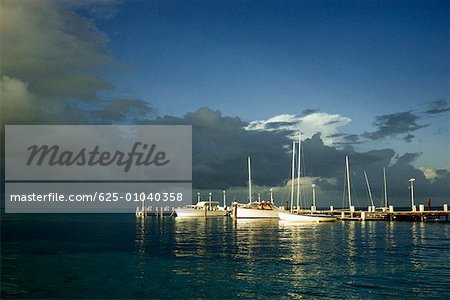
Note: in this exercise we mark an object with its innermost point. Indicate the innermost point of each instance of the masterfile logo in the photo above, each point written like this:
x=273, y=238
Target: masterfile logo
x=98, y=152
x=53, y=156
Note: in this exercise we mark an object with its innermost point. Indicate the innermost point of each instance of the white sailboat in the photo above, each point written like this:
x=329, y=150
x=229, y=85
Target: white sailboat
x=255, y=209
x=297, y=216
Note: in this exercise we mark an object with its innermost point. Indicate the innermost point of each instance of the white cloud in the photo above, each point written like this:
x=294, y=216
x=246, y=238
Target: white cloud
x=429, y=173
x=324, y=123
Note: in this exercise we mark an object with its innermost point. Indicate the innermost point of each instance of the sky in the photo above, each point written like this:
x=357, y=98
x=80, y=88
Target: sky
x=368, y=79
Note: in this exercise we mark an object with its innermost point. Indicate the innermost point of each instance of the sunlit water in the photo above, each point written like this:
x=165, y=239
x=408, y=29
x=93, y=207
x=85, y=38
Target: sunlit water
x=117, y=256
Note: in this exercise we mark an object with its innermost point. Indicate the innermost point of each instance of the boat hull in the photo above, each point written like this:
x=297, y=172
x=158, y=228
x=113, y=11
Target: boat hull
x=196, y=213
x=249, y=213
x=286, y=216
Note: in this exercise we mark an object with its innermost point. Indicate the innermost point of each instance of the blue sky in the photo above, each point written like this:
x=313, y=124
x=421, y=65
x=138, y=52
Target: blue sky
x=358, y=58
x=259, y=59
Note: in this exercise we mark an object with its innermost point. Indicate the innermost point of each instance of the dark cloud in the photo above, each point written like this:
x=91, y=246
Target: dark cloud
x=437, y=107
x=221, y=146
x=51, y=60
x=392, y=125
x=345, y=138
x=278, y=125
x=407, y=158
x=332, y=122
x=309, y=111
x=122, y=111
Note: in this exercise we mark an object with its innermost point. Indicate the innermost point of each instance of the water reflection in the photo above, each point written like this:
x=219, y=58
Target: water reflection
x=418, y=235
x=294, y=259
x=352, y=251
x=140, y=248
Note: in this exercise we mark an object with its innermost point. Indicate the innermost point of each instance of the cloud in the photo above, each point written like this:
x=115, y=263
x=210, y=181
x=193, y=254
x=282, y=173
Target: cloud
x=429, y=173
x=392, y=125
x=438, y=107
x=309, y=111
x=51, y=61
x=128, y=111
x=309, y=124
x=221, y=145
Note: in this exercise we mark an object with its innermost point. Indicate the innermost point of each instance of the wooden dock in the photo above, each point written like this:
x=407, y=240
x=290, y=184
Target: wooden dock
x=416, y=216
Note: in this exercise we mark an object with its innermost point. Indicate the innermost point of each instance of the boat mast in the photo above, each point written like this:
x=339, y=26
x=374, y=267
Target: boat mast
x=293, y=174
x=298, y=169
x=385, y=188
x=347, y=169
x=368, y=188
x=249, y=181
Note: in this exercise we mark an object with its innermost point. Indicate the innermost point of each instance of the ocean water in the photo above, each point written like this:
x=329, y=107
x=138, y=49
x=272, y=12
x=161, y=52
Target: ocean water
x=106, y=256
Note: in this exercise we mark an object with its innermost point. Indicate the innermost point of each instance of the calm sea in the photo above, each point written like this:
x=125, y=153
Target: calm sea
x=116, y=256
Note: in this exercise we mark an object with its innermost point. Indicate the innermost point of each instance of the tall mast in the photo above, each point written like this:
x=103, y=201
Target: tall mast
x=347, y=169
x=368, y=188
x=298, y=169
x=293, y=174
x=385, y=188
x=249, y=181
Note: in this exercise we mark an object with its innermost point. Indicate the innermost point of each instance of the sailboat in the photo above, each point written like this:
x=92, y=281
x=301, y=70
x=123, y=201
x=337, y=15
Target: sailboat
x=296, y=216
x=255, y=209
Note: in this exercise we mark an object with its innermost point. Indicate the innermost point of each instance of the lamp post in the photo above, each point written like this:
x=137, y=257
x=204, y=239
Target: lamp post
x=198, y=197
x=314, y=197
x=411, y=182
x=224, y=199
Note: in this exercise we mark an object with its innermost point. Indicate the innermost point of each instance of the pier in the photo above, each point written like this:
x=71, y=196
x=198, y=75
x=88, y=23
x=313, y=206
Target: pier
x=390, y=214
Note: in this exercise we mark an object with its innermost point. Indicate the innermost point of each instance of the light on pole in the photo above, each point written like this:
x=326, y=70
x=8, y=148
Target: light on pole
x=314, y=197
x=411, y=182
